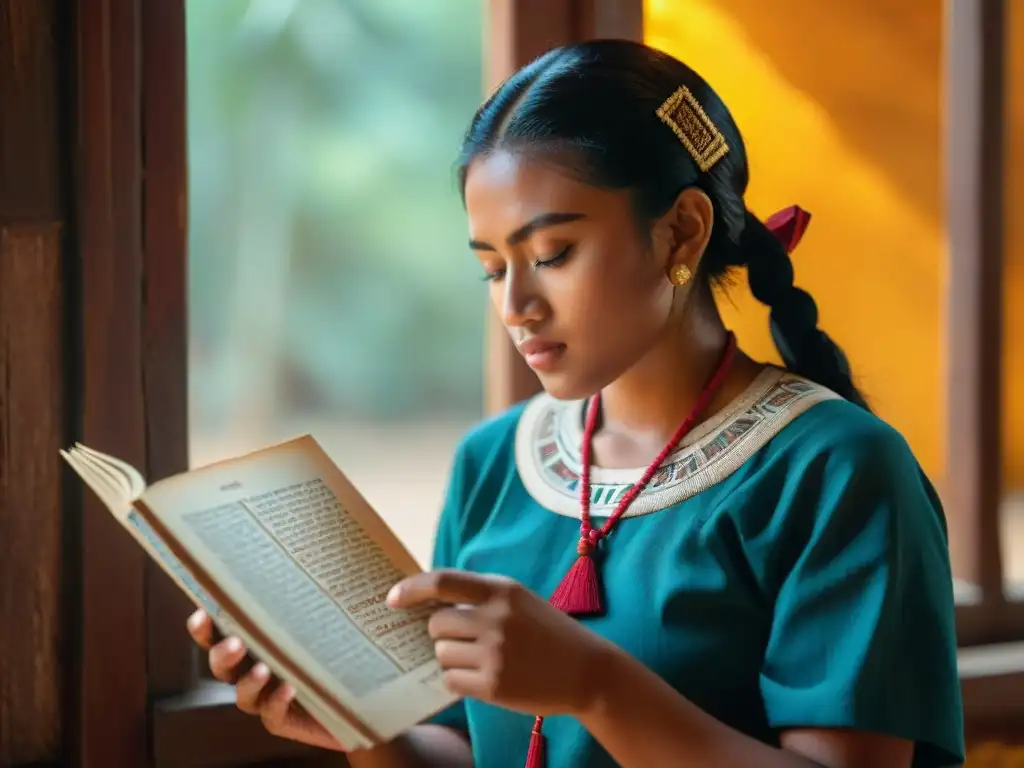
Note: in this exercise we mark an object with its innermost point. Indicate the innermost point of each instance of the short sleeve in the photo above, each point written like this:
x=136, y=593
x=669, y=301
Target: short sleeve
x=863, y=634
x=447, y=541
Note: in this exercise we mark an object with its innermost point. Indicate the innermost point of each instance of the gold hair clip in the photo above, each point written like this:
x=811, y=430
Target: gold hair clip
x=683, y=114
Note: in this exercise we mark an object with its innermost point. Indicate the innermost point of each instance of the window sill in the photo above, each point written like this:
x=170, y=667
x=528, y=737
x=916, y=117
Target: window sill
x=992, y=685
x=981, y=625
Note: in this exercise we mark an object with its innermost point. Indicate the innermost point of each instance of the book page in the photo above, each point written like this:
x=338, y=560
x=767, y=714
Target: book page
x=173, y=567
x=107, y=478
x=112, y=481
x=288, y=539
x=165, y=558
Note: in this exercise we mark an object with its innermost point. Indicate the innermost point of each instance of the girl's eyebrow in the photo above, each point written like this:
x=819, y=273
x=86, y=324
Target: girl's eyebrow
x=522, y=233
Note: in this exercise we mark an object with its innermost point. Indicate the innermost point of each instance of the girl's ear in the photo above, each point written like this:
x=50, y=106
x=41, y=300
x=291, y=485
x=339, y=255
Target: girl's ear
x=681, y=235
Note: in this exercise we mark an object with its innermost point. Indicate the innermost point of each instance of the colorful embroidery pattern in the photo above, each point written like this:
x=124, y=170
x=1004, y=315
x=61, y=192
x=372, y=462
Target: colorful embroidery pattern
x=548, y=446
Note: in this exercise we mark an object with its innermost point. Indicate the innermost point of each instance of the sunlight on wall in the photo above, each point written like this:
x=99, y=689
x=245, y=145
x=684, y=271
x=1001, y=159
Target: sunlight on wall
x=873, y=256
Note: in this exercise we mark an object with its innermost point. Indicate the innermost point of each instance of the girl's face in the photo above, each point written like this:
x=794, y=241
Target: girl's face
x=583, y=293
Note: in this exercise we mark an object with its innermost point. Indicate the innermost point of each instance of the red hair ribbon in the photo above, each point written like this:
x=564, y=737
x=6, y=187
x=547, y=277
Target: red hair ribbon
x=789, y=225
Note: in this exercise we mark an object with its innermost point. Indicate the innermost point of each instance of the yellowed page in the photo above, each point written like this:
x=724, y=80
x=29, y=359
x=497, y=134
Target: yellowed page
x=283, y=533
x=105, y=476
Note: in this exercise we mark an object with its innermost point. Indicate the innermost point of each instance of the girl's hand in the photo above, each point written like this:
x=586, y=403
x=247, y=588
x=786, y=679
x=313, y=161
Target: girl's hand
x=498, y=642
x=256, y=693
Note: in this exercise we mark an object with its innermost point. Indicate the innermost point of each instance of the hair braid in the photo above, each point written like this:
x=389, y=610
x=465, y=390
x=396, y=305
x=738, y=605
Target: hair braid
x=805, y=348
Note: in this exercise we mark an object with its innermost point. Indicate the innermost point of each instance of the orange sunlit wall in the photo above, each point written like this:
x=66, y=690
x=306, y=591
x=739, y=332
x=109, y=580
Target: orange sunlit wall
x=829, y=125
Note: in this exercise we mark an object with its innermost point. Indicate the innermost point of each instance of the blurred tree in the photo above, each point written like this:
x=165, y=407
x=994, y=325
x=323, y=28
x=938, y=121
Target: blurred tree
x=328, y=261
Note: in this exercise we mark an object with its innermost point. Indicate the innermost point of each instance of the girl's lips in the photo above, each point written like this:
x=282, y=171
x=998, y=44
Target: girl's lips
x=541, y=354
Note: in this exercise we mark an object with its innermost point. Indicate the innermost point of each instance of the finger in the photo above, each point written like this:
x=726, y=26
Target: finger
x=225, y=657
x=274, y=711
x=252, y=689
x=200, y=626
x=445, y=586
x=218, y=635
x=459, y=623
x=457, y=654
x=466, y=682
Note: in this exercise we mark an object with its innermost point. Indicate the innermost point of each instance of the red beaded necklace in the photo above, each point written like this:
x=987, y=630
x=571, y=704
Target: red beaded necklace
x=579, y=593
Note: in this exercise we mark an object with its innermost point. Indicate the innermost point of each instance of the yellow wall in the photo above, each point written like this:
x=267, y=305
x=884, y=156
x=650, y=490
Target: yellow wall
x=829, y=125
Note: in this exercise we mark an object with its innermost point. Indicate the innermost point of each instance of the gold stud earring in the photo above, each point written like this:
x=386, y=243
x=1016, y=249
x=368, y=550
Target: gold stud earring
x=680, y=275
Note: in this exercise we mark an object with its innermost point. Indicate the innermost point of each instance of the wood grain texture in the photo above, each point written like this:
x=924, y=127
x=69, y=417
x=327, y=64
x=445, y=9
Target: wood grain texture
x=111, y=719
x=31, y=431
x=975, y=154
x=32, y=426
x=172, y=655
x=30, y=100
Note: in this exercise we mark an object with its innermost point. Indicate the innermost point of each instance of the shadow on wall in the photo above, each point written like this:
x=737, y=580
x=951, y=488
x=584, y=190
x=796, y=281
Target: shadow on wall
x=841, y=108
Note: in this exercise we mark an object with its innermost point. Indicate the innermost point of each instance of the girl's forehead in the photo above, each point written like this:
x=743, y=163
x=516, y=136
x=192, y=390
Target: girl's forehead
x=513, y=186
x=516, y=173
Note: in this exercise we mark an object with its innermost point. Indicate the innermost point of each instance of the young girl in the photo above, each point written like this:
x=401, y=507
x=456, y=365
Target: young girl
x=676, y=555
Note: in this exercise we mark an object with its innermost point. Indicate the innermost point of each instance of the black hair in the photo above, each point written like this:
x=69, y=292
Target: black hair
x=591, y=108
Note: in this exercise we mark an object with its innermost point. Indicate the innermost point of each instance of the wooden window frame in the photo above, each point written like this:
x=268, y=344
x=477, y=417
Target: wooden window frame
x=975, y=152
x=990, y=623
x=138, y=698
x=131, y=332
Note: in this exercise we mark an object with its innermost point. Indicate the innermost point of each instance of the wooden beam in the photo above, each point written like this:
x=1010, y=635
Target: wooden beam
x=974, y=159
x=517, y=31
x=612, y=18
x=32, y=184
x=111, y=683
x=31, y=433
x=171, y=652
x=33, y=210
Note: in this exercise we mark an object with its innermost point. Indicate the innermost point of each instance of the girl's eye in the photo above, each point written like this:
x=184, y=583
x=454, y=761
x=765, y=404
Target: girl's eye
x=555, y=261
x=495, y=275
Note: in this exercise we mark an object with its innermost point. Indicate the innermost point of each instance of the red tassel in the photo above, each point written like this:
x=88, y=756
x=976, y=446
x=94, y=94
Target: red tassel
x=579, y=594
x=535, y=757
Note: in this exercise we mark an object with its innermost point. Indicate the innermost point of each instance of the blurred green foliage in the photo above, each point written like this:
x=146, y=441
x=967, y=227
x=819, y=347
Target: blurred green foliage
x=328, y=261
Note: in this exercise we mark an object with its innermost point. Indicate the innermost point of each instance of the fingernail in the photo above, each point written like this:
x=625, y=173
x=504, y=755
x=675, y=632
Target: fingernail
x=232, y=645
x=261, y=671
x=287, y=691
x=394, y=594
x=196, y=619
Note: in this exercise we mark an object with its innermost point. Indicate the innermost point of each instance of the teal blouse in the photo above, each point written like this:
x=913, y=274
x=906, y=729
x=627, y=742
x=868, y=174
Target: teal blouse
x=788, y=567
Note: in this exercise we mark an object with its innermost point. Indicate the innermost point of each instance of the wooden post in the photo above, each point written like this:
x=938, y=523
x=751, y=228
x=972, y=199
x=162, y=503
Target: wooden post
x=109, y=584
x=172, y=659
x=974, y=159
x=34, y=638
x=33, y=642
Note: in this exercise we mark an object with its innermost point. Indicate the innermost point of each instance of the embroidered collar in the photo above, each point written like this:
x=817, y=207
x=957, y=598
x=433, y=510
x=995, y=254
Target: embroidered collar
x=548, y=448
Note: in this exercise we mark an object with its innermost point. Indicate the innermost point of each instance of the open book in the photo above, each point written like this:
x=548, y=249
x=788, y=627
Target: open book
x=282, y=551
